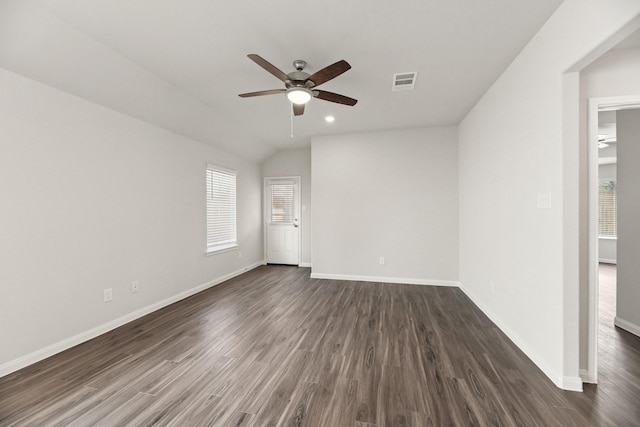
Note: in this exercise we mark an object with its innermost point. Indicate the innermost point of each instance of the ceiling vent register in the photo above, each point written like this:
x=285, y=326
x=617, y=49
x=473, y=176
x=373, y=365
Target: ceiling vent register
x=404, y=81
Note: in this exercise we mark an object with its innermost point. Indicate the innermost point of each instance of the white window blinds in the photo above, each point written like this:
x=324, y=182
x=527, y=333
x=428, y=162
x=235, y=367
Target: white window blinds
x=607, y=209
x=282, y=203
x=221, y=208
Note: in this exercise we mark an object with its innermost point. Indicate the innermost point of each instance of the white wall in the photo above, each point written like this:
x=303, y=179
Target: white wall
x=607, y=171
x=296, y=162
x=520, y=263
x=628, y=278
x=386, y=194
x=93, y=199
x=33, y=41
x=613, y=74
x=607, y=250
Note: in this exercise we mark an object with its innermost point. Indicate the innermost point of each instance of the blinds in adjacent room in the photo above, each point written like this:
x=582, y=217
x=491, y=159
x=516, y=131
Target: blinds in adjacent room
x=221, y=208
x=607, y=209
x=282, y=203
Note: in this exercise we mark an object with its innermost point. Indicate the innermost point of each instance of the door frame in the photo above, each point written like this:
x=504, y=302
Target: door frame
x=613, y=103
x=265, y=205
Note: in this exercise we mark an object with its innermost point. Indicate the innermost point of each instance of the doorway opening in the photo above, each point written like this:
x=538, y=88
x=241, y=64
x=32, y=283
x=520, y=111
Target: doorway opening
x=602, y=184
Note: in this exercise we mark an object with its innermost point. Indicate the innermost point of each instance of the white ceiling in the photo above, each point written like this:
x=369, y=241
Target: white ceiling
x=180, y=64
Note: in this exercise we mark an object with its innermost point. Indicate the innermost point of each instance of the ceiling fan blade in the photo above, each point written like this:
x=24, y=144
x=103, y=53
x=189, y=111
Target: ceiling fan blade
x=334, y=97
x=262, y=92
x=330, y=72
x=298, y=109
x=268, y=66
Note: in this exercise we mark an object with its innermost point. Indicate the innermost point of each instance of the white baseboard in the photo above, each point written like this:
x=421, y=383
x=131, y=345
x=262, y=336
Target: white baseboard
x=305, y=264
x=381, y=279
x=586, y=377
x=565, y=383
x=627, y=326
x=41, y=354
x=571, y=384
x=607, y=261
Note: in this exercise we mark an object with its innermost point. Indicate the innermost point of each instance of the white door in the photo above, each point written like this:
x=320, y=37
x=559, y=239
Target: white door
x=282, y=213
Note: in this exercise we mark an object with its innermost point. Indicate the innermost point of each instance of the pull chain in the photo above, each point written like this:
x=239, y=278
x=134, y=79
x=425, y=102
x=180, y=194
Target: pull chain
x=291, y=111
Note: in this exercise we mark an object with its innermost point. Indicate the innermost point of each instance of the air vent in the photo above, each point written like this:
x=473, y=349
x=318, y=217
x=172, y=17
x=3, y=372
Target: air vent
x=404, y=81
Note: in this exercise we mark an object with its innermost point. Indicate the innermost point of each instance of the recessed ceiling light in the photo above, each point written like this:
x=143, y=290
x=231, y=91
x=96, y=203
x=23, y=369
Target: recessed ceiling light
x=329, y=119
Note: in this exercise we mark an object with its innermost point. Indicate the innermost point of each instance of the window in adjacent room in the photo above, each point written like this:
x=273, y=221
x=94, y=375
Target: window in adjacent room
x=607, y=209
x=221, y=209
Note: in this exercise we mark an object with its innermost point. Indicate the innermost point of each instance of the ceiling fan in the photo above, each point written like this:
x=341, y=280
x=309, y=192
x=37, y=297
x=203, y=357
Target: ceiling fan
x=301, y=86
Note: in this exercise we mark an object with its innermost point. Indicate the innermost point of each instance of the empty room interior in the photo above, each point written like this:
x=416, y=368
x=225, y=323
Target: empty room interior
x=359, y=213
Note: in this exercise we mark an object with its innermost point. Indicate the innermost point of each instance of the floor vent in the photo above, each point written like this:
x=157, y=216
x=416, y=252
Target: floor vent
x=404, y=81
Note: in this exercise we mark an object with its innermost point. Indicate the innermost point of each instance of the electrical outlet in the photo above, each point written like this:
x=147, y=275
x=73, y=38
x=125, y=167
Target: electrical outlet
x=239, y=255
x=108, y=295
x=493, y=287
x=135, y=286
x=381, y=260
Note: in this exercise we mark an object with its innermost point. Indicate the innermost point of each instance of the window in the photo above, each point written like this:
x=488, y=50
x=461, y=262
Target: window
x=282, y=203
x=221, y=209
x=607, y=209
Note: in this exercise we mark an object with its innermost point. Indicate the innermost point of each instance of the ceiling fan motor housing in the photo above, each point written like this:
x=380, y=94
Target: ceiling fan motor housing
x=298, y=79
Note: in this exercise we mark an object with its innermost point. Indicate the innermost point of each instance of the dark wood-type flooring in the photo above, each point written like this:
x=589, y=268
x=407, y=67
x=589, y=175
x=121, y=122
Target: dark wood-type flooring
x=275, y=348
x=615, y=401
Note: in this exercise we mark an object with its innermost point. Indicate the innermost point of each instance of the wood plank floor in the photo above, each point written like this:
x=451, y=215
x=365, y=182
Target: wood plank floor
x=275, y=348
x=618, y=389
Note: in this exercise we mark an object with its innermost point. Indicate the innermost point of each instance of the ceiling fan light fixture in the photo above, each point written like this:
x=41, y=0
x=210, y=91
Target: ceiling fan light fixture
x=299, y=95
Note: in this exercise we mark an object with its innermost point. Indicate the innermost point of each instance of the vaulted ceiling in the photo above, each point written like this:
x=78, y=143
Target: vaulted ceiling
x=180, y=64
